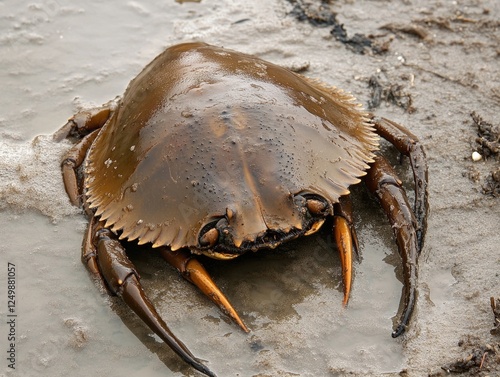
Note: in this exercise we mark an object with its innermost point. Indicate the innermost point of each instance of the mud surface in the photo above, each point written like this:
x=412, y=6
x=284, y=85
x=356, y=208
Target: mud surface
x=426, y=65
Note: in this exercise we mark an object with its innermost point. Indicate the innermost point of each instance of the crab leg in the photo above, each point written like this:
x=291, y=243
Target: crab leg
x=409, y=145
x=383, y=182
x=102, y=253
x=89, y=253
x=345, y=236
x=194, y=272
x=86, y=121
x=122, y=279
x=86, y=124
x=70, y=164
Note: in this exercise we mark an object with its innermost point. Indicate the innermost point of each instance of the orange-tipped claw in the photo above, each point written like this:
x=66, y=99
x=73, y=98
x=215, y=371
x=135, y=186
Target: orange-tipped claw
x=343, y=237
x=193, y=271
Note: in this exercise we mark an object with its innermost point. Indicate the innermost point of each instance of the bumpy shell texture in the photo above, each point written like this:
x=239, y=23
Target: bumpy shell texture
x=204, y=130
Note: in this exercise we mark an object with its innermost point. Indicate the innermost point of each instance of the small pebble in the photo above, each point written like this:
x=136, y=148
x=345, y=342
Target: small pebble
x=476, y=156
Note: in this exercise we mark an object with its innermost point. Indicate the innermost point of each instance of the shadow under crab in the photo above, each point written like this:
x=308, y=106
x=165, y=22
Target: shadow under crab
x=219, y=153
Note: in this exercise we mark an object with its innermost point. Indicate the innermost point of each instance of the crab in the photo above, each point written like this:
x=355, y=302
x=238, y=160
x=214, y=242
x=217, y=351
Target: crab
x=215, y=152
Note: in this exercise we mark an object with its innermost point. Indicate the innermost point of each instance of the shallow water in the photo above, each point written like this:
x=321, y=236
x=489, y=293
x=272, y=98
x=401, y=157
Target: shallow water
x=57, y=58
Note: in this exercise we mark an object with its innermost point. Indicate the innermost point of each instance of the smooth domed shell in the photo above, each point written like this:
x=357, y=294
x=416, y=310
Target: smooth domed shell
x=204, y=130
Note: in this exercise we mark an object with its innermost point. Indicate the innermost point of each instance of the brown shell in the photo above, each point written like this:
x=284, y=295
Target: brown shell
x=203, y=131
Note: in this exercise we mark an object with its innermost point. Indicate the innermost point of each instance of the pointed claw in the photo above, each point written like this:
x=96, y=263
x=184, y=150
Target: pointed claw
x=343, y=237
x=123, y=280
x=199, y=276
x=382, y=181
x=193, y=271
x=134, y=296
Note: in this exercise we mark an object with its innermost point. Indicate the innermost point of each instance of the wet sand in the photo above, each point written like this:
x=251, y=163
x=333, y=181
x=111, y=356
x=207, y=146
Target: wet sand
x=440, y=63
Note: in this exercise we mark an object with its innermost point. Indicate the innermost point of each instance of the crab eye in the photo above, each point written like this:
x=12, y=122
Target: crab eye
x=317, y=206
x=209, y=236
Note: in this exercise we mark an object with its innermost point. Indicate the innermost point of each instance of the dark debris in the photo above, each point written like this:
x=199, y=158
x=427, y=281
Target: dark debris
x=495, y=306
x=320, y=13
x=482, y=359
x=487, y=144
x=358, y=43
x=492, y=185
x=384, y=91
x=317, y=13
x=488, y=137
x=479, y=358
